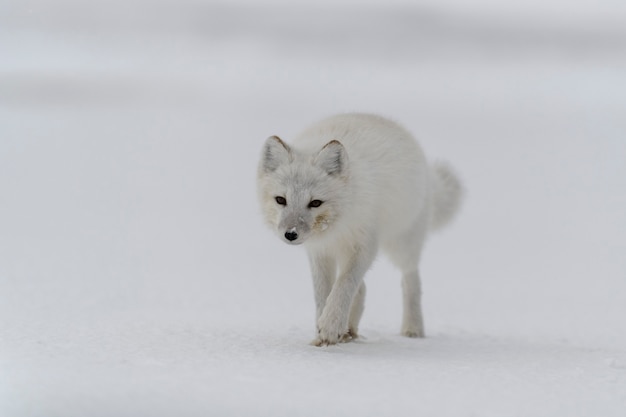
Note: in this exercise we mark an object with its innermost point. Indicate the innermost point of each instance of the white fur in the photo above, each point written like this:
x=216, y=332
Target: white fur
x=378, y=192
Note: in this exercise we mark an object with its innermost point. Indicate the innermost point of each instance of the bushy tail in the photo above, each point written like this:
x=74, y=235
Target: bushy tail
x=446, y=195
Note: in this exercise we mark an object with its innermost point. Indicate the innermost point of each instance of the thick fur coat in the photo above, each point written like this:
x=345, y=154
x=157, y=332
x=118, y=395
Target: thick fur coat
x=345, y=188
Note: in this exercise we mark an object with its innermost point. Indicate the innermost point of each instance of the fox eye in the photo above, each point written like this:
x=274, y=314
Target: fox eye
x=315, y=203
x=281, y=200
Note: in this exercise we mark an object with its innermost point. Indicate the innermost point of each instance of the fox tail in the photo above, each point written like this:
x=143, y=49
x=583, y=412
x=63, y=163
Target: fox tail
x=446, y=195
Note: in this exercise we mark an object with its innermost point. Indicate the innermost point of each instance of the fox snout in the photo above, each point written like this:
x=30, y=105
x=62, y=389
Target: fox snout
x=293, y=227
x=291, y=235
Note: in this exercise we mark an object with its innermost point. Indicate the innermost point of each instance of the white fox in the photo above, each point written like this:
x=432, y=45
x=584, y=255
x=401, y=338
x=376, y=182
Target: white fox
x=347, y=186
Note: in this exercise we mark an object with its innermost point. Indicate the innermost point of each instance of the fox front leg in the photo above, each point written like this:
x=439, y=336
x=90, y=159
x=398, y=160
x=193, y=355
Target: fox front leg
x=332, y=324
x=323, y=272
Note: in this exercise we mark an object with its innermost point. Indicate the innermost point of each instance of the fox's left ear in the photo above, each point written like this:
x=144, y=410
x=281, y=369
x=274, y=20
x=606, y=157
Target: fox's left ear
x=333, y=158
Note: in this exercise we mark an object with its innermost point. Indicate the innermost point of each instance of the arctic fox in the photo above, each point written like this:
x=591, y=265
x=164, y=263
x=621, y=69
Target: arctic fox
x=347, y=186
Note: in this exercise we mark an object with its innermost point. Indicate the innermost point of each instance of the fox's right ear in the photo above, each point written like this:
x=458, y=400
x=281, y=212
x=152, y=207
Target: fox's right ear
x=275, y=153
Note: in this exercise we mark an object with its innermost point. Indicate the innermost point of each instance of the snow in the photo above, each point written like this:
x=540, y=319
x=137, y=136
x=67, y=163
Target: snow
x=137, y=277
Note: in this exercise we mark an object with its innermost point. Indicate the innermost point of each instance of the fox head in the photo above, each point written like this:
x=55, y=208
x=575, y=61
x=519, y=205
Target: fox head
x=302, y=194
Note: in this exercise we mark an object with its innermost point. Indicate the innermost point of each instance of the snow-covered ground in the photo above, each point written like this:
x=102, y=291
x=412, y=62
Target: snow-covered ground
x=136, y=276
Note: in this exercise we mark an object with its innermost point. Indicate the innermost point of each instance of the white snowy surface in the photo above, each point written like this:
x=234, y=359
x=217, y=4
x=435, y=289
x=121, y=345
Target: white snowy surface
x=136, y=276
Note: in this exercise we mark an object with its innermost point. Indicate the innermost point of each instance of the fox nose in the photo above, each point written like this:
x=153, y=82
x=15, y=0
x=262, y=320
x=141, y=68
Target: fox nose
x=291, y=235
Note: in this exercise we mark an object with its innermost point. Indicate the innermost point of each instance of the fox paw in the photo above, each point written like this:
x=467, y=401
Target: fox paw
x=417, y=333
x=326, y=339
x=318, y=341
x=349, y=336
x=330, y=329
x=413, y=327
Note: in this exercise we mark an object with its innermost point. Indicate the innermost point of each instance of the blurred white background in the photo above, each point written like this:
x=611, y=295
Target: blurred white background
x=136, y=275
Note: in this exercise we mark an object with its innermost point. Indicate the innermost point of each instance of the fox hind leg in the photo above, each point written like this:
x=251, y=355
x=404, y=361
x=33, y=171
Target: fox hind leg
x=404, y=252
x=412, y=318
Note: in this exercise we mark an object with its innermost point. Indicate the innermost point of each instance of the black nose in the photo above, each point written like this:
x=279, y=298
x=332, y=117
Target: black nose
x=291, y=236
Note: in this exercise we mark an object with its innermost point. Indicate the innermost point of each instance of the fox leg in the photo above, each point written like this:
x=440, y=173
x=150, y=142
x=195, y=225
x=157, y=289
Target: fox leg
x=323, y=271
x=412, y=319
x=404, y=251
x=356, y=311
x=333, y=323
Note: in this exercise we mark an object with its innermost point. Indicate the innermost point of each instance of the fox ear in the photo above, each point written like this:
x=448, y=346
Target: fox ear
x=275, y=153
x=333, y=158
